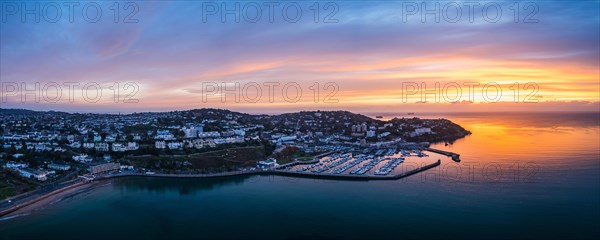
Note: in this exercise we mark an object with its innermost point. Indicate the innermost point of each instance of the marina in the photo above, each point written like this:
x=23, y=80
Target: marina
x=377, y=163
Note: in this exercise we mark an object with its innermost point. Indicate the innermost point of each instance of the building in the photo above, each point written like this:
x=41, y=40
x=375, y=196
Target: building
x=132, y=146
x=359, y=130
x=75, y=145
x=14, y=165
x=370, y=133
x=421, y=131
x=269, y=163
x=118, y=147
x=88, y=145
x=29, y=173
x=174, y=145
x=286, y=139
x=61, y=167
x=82, y=158
x=190, y=132
x=239, y=132
x=384, y=134
x=101, y=147
x=110, y=139
x=160, y=144
x=212, y=134
x=105, y=167
x=164, y=135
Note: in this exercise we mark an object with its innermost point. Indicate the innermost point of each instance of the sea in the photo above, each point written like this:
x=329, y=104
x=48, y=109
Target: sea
x=521, y=176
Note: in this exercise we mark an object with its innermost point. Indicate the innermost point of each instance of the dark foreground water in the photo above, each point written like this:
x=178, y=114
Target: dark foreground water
x=523, y=176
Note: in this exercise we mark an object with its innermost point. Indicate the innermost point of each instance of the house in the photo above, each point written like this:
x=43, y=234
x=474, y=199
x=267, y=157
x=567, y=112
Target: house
x=160, y=144
x=382, y=135
x=132, y=146
x=118, y=147
x=41, y=147
x=59, y=149
x=75, y=145
x=14, y=165
x=239, y=132
x=370, y=133
x=174, y=145
x=420, y=131
x=61, y=167
x=190, y=132
x=212, y=134
x=101, y=147
x=88, y=145
x=82, y=158
x=127, y=167
x=110, y=139
x=164, y=135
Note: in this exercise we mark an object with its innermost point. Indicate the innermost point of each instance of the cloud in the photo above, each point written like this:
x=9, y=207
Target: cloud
x=369, y=53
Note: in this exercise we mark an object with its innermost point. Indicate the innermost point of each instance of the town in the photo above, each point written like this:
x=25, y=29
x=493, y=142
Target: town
x=45, y=148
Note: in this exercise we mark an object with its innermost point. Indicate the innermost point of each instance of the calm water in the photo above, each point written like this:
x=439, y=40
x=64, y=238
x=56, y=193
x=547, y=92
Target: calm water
x=522, y=176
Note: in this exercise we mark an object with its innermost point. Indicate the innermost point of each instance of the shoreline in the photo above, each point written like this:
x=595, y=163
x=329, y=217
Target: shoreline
x=59, y=194
x=47, y=197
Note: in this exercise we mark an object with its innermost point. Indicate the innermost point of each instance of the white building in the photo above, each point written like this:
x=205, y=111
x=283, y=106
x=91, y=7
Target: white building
x=385, y=134
x=190, y=132
x=132, y=146
x=14, y=165
x=160, y=144
x=421, y=131
x=370, y=133
x=75, y=145
x=174, y=145
x=269, y=163
x=88, y=145
x=212, y=134
x=110, y=139
x=164, y=135
x=101, y=147
x=118, y=147
x=239, y=132
x=82, y=158
x=28, y=173
x=61, y=167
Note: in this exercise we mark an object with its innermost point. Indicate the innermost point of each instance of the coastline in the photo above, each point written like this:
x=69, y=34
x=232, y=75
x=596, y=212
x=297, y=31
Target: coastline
x=32, y=205
x=35, y=203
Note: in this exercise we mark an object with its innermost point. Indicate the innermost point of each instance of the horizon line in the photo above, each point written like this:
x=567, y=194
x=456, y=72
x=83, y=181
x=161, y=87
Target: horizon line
x=315, y=110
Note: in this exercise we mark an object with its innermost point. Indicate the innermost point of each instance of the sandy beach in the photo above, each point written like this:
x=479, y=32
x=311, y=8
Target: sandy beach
x=39, y=203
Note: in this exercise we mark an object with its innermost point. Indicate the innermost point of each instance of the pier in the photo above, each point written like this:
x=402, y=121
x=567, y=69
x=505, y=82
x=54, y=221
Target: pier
x=356, y=177
x=454, y=156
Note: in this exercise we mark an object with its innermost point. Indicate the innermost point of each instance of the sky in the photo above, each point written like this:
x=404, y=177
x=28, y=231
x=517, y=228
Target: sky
x=364, y=56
